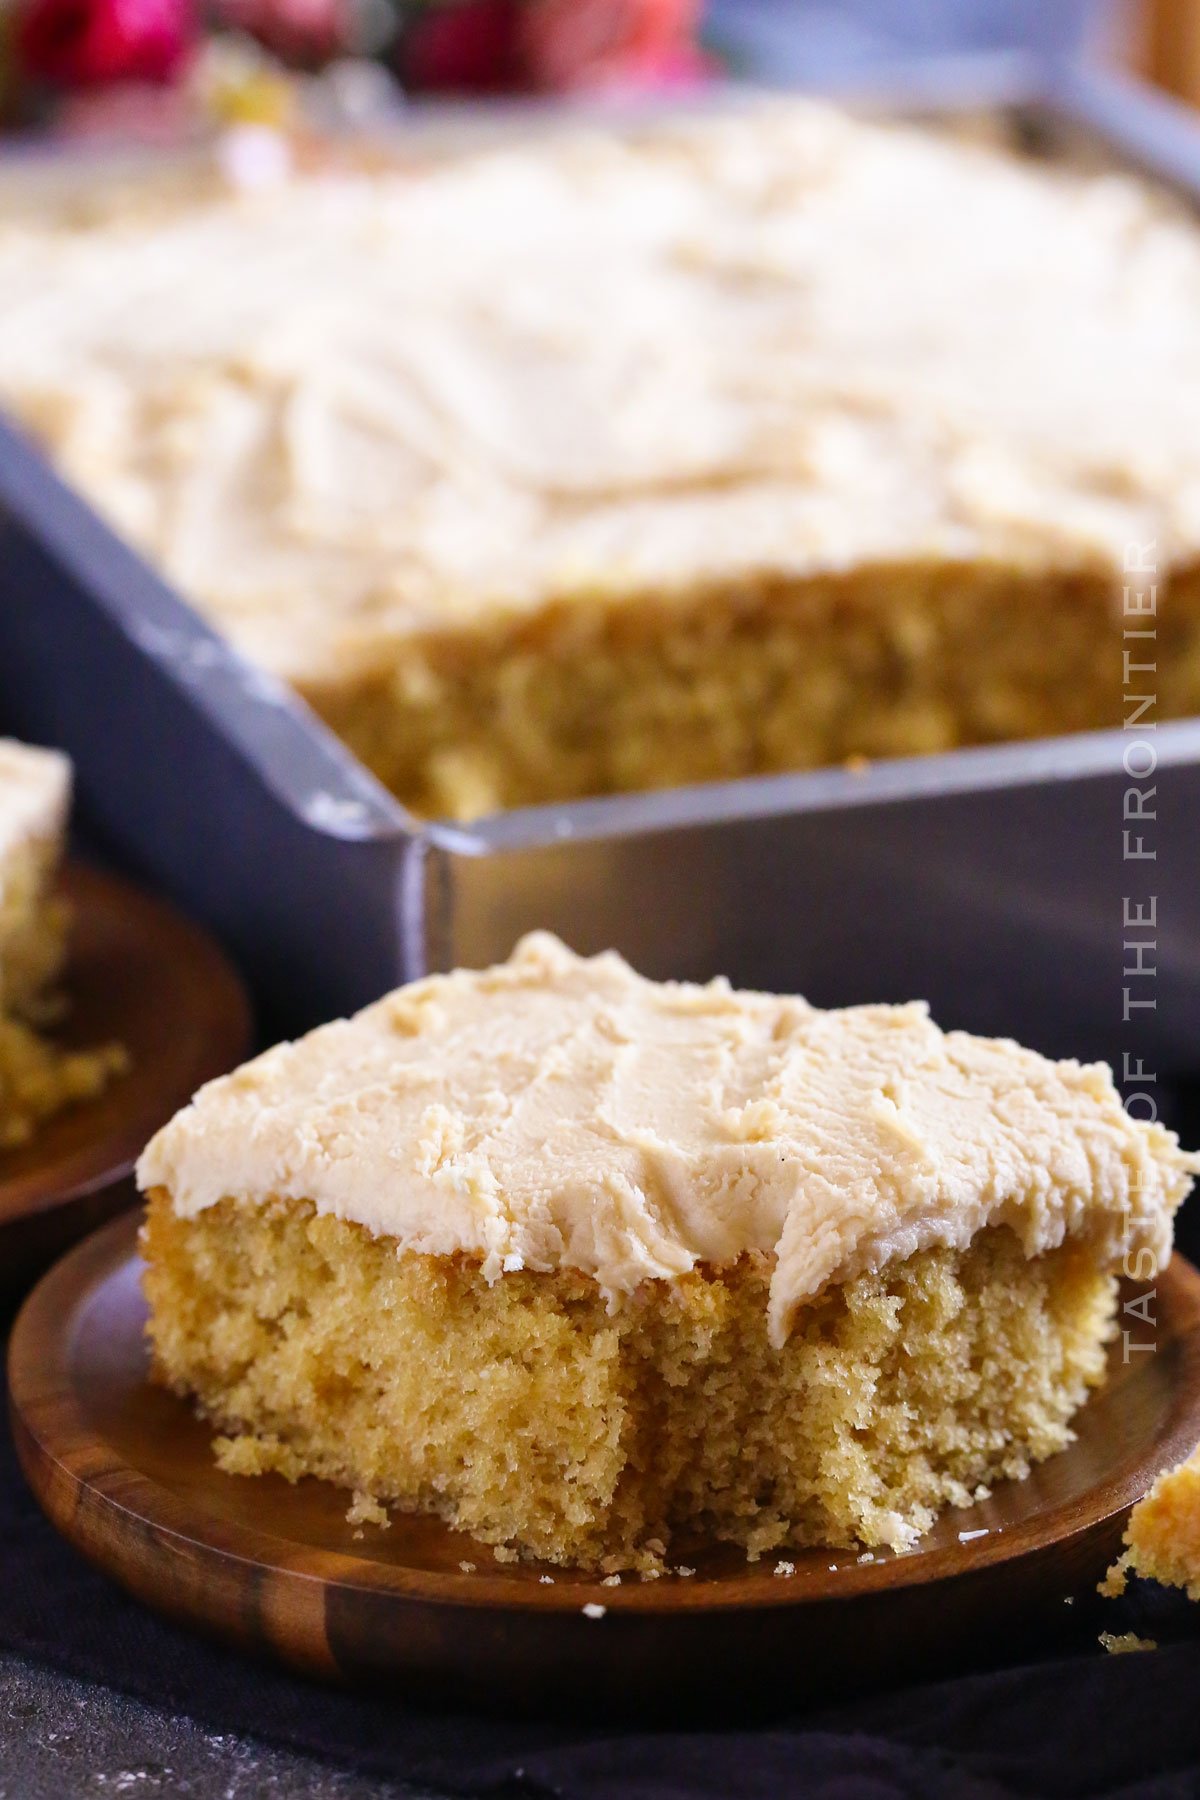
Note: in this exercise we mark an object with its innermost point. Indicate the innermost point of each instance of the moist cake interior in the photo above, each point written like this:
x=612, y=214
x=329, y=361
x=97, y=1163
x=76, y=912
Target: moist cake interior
x=754, y=677
x=526, y=1414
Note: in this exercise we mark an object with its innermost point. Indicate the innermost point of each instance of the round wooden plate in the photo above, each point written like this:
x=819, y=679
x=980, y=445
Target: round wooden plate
x=126, y=1472
x=143, y=975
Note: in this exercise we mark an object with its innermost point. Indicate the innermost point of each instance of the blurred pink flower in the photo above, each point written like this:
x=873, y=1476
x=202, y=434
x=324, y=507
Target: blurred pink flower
x=568, y=44
x=88, y=43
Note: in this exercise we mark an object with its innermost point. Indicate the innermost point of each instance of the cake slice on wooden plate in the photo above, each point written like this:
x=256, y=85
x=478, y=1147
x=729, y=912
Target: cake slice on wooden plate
x=592, y=1266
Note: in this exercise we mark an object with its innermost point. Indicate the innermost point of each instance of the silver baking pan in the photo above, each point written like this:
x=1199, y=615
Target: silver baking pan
x=990, y=881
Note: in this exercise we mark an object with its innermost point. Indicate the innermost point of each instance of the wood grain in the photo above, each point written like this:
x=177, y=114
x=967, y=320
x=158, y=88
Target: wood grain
x=126, y=1473
x=140, y=973
x=1169, y=47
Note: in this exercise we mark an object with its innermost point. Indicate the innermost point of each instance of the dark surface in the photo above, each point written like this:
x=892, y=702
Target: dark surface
x=66, y=1736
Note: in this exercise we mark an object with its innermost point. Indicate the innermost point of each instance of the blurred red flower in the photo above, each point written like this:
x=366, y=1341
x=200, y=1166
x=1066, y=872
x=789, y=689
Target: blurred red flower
x=551, y=46
x=465, y=47
x=86, y=43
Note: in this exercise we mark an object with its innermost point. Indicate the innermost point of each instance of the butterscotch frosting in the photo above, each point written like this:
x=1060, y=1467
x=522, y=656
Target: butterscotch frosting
x=557, y=1111
x=357, y=405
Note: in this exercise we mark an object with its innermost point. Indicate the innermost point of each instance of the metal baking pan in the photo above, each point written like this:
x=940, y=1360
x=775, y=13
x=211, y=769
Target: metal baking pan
x=991, y=881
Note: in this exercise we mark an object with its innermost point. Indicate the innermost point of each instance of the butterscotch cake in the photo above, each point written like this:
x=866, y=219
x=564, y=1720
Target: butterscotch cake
x=595, y=1268
x=37, y=1078
x=618, y=459
x=35, y=797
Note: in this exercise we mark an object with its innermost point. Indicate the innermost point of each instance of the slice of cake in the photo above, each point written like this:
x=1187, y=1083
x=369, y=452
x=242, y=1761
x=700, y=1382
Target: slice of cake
x=591, y=1266
x=35, y=798
x=621, y=458
x=37, y=1077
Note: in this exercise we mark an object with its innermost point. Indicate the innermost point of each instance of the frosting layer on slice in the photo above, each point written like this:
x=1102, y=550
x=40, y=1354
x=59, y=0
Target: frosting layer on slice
x=561, y=1111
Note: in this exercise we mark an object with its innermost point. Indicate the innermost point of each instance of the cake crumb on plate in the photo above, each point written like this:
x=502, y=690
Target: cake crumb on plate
x=364, y=1509
x=1122, y=1643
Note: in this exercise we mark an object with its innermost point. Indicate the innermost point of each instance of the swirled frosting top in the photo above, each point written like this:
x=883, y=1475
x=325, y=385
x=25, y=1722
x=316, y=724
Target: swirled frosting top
x=359, y=404
x=557, y=1111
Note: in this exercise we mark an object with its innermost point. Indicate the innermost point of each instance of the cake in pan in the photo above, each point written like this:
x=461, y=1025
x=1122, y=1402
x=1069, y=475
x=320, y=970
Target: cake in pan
x=596, y=1268
x=620, y=459
x=37, y=1078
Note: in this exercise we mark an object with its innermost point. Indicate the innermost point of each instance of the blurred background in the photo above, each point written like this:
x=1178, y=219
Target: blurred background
x=170, y=68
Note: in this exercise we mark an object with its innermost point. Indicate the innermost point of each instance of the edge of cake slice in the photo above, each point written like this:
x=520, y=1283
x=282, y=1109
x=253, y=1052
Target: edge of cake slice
x=38, y=1078
x=35, y=800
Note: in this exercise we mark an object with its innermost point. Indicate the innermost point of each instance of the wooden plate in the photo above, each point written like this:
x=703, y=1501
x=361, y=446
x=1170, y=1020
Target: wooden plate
x=126, y=1473
x=142, y=974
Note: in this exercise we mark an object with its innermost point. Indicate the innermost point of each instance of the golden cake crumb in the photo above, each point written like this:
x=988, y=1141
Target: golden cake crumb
x=1122, y=1643
x=1162, y=1537
x=363, y=1510
x=1115, y=1581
